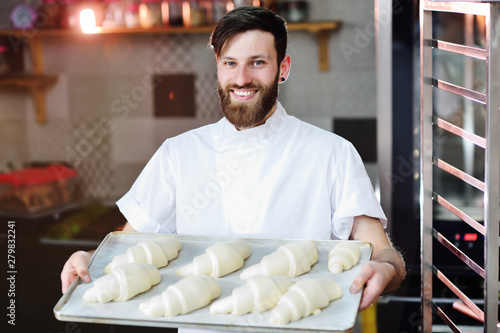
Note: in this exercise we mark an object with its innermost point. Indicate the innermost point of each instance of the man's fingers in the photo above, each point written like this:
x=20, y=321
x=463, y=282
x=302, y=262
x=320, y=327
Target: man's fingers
x=360, y=280
x=374, y=277
x=368, y=278
x=84, y=275
x=77, y=265
x=366, y=300
x=64, y=284
x=80, y=264
x=370, y=295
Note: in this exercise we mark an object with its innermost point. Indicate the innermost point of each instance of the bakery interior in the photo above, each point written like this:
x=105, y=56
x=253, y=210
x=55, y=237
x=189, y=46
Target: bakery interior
x=84, y=104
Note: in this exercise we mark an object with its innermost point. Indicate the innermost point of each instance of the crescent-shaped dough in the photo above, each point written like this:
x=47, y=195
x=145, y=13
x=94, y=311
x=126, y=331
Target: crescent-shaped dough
x=290, y=260
x=158, y=252
x=306, y=297
x=343, y=256
x=123, y=282
x=260, y=293
x=189, y=294
x=218, y=260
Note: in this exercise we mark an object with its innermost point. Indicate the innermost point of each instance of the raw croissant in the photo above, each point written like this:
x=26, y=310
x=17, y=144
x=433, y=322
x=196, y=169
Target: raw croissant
x=290, y=260
x=343, y=256
x=306, y=297
x=189, y=294
x=218, y=260
x=123, y=283
x=156, y=252
x=259, y=293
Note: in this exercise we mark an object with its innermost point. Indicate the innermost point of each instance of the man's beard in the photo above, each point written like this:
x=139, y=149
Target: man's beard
x=248, y=114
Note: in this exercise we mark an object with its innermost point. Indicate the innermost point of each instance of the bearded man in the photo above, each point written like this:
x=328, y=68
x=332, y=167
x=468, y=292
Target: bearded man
x=258, y=172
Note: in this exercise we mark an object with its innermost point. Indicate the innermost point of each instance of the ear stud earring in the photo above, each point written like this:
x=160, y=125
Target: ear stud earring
x=282, y=79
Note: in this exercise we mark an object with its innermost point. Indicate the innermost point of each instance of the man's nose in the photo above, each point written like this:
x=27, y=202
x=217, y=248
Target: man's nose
x=243, y=77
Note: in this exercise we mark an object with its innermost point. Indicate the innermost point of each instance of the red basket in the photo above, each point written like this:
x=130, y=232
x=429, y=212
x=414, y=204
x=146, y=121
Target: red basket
x=34, y=188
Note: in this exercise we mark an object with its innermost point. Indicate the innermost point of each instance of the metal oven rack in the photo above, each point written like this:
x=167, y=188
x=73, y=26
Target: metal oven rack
x=490, y=54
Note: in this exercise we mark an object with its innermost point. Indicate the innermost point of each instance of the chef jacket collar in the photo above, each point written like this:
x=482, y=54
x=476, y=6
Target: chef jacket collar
x=255, y=137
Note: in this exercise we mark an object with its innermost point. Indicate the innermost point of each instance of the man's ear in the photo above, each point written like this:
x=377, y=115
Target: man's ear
x=284, y=70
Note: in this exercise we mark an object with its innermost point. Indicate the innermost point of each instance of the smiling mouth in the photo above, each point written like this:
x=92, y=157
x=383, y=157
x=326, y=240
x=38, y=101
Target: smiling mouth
x=244, y=93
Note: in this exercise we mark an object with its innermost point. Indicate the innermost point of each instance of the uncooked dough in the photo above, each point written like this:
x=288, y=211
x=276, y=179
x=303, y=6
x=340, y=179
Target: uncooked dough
x=189, y=294
x=158, y=252
x=305, y=297
x=260, y=293
x=123, y=282
x=290, y=260
x=343, y=256
x=218, y=260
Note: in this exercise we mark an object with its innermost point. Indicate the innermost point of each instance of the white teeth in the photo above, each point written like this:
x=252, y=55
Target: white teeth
x=244, y=93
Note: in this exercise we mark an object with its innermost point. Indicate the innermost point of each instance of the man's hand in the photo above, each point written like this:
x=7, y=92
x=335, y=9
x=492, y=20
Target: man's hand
x=77, y=265
x=374, y=276
x=385, y=272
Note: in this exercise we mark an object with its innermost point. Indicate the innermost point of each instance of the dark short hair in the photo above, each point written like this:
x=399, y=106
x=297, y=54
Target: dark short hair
x=246, y=18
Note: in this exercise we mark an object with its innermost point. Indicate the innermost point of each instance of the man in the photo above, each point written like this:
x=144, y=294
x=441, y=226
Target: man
x=258, y=172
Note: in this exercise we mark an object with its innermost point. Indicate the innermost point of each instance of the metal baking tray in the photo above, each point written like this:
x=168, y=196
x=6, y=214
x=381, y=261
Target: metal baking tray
x=339, y=316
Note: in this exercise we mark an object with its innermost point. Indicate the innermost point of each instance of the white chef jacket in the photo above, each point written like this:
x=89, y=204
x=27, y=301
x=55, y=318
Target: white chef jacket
x=283, y=179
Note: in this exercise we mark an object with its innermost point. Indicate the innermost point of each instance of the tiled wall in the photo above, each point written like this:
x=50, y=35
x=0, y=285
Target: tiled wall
x=100, y=112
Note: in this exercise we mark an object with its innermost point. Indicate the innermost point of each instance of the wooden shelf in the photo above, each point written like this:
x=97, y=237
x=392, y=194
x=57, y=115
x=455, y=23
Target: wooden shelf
x=37, y=82
x=36, y=85
x=312, y=27
x=27, y=80
x=320, y=29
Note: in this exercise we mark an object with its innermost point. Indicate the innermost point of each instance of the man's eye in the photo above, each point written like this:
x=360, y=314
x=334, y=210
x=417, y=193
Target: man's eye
x=258, y=63
x=230, y=63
